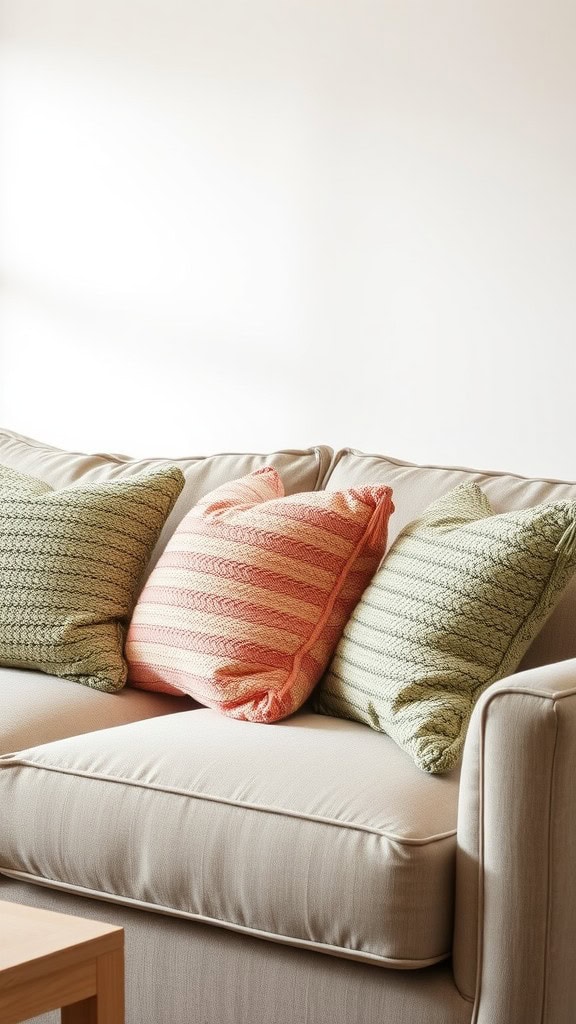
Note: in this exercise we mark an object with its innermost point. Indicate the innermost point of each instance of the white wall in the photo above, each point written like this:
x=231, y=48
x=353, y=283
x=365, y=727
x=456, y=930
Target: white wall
x=230, y=224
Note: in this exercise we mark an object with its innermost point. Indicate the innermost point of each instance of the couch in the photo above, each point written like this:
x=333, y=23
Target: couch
x=306, y=872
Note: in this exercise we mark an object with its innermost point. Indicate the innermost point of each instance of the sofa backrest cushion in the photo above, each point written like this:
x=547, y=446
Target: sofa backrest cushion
x=415, y=487
x=300, y=470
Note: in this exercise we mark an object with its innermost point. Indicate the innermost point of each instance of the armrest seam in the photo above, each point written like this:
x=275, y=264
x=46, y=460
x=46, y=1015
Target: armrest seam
x=480, y=925
x=549, y=892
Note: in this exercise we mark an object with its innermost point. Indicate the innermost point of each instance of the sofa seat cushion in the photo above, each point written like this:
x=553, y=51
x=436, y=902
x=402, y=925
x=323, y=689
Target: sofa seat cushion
x=314, y=832
x=38, y=708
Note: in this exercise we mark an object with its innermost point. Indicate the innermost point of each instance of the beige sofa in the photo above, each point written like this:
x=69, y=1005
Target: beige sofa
x=307, y=872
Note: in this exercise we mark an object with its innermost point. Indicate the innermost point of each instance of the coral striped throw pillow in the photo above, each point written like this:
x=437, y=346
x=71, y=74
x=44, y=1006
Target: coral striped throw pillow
x=252, y=593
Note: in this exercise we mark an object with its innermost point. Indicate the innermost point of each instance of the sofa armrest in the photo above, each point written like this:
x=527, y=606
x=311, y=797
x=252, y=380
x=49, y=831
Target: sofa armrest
x=515, y=925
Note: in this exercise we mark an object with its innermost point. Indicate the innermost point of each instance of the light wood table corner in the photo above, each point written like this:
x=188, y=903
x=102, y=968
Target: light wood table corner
x=50, y=961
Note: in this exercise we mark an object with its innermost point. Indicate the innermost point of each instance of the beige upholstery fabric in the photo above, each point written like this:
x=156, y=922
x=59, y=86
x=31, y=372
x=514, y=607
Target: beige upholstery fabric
x=416, y=487
x=37, y=708
x=300, y=470
x=181, y=972
x=313, y=832
x=516, y=900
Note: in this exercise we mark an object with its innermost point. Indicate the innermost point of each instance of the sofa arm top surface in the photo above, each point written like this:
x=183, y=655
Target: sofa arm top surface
x=552, y=681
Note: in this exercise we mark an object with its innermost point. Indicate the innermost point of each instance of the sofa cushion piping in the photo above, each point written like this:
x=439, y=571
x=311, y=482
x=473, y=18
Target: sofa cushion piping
x=9, y=761
x=400, y=463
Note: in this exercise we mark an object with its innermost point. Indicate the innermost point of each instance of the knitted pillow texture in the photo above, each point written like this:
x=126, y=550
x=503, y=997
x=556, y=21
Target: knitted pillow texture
x=71, y=563
x=250, y=597
x=453, y=608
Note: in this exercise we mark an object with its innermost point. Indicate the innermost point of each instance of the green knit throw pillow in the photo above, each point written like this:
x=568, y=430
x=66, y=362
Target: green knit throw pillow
x=71, y=563
x=453, y=607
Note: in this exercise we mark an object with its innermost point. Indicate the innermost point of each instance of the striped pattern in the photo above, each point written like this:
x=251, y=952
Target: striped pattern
x=71, y=562
x=249, y=599
x=453, y=608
